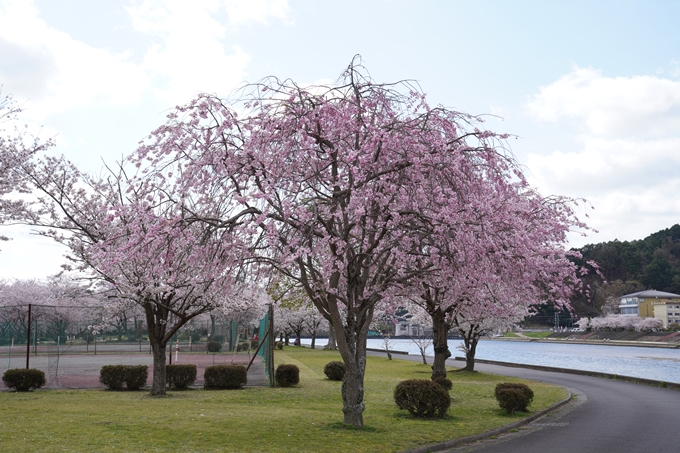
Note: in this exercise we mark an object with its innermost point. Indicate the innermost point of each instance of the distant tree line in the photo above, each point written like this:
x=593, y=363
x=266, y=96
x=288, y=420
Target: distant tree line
x=628, y=267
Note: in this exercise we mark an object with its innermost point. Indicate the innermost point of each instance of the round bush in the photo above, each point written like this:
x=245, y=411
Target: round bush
x=136, y=376
x=335, y=371
x=513, y=397
x=22, y=380
x=180, y=377
x=422, y=398
x=444, y=382
x=287, y=375
x=214, y=346
x=113, y=376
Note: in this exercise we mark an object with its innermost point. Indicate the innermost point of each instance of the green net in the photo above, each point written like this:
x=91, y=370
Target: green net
x=233, y=335
x=265, y=350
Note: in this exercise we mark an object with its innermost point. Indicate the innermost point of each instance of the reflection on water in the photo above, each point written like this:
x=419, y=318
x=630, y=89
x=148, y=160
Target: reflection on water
x=642, y=362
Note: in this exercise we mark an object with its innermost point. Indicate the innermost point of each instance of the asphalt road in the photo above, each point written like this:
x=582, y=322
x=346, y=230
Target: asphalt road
x=605, y=416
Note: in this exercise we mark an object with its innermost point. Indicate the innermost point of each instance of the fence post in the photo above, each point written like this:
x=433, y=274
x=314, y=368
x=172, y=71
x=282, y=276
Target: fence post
x=28, y=337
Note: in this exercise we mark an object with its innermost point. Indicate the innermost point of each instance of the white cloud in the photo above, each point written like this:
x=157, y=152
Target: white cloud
x=244, y=11
x=192, y=56
x=626, y=153
x=603, y=165
x=612, y=107
x=57, y=72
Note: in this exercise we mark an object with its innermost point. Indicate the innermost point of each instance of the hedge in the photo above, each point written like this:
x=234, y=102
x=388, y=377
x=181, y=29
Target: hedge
x=180, y=377
x=225, y=377
x=133, y=376
x=22, y=380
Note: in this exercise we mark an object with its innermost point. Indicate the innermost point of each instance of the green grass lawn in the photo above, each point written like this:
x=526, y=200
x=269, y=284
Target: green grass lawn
x=306, y=418
x=537, y=334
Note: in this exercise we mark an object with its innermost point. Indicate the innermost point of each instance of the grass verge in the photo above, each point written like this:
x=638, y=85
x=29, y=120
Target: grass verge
x=306, y=418
x=538, y=334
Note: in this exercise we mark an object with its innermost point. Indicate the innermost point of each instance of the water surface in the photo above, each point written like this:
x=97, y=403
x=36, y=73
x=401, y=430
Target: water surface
x=643, y=362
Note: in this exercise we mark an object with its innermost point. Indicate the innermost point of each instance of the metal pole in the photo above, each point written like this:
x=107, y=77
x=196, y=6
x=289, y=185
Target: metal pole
x=28, y=337
x=35, y=338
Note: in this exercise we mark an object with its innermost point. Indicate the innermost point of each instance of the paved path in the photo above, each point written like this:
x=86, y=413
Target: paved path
x=607, y=416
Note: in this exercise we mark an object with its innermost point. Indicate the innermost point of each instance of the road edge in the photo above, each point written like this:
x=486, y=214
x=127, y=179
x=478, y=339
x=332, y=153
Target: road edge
x=495, y=432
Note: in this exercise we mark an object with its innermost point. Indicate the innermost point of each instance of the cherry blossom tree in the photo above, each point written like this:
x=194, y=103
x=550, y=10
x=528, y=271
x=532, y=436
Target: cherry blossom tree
x=422, y=321
x=144, y=243
x=313, y=323
x=624, y=322
x=63, y=307
x=17, y=148
x=512, y=246
x=488, y=314
x=359, y=190
x=290, y=320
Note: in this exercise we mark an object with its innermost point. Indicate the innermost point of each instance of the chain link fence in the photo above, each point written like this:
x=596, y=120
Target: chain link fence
x=71, y=344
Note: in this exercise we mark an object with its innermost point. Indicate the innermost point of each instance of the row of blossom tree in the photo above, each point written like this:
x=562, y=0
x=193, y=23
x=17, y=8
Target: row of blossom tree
x=361, y=195
x=625, y=322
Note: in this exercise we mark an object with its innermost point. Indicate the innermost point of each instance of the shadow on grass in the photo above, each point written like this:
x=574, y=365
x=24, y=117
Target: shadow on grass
x=344, y=427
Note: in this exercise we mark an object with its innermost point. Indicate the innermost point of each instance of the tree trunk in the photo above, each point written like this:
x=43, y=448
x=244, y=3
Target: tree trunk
x=313, y=339
x=470, y=341
x=159, y=382
x=156, y=320
x=387, y=347
x=353, y=392
x=440, y=331
x=352, y=346
x=332, y=344
x=353, y=351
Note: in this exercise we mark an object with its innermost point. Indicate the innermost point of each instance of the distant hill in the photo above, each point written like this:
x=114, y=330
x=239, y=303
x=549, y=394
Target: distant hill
x=628, y=266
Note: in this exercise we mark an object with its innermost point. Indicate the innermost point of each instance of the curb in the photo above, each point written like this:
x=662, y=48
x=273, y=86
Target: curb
x=483, y=436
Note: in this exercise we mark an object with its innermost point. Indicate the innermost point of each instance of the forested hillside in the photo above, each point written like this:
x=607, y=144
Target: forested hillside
x=630, y=266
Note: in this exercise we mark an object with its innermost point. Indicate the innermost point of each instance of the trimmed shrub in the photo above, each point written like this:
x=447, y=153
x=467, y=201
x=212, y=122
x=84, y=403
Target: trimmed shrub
x=513, y=397
x=242, y=347
x=113, y=376
x=214, y=346
x=136, y=376
x=22, y=380
x=133, y=376
x=225, y=377
x=279, y=345
x=287, y=375
x=422, y=398
x=335, y=371
x=180, y=377
x=444, y=382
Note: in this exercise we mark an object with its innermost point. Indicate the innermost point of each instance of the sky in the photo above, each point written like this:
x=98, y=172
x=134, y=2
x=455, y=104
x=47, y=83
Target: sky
x=590, y=89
